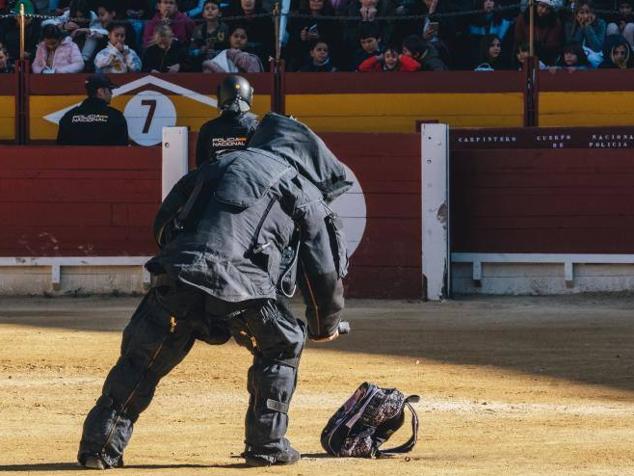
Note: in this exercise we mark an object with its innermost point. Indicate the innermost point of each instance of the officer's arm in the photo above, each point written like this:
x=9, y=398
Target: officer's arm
x=122, y=135
x=164, y=221
x=62, y=138
x=323, y=265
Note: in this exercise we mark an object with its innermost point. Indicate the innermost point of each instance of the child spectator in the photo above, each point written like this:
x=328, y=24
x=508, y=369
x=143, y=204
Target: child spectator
x=117, y=57
x=491, y=58
x=521, y=56
x=235, y=59
x=259, y=30
x=180, y=24
x=390, y=61
x=573, y=58
x=107, y=14
x=370, y=43
x=319, y=59
x=165, y=53
x=57, y=55
x=5, y=66
x=304, y=32
x=623, y=23
x=585, y=28
x=83, y=26
x=617, y=53
x=490, y=22
x=548, y=31
x=424, y=53
x=210, y=37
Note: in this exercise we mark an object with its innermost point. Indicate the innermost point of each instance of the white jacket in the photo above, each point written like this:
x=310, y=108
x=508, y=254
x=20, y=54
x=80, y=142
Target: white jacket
x=111, y=60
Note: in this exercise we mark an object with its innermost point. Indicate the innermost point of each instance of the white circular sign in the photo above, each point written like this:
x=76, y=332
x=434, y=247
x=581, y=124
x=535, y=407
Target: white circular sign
x=147, y=113
x=351, y=208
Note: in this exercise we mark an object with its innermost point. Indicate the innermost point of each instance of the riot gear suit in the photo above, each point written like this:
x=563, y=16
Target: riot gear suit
x=223, y=230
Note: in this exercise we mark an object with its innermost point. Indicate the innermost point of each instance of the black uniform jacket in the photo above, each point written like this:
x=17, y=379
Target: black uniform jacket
x=229, y=131
x=235, y=217
x=93, y=122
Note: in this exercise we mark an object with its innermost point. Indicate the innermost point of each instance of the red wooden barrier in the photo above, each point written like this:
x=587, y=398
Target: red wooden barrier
x=99, y=201
x=545, y=191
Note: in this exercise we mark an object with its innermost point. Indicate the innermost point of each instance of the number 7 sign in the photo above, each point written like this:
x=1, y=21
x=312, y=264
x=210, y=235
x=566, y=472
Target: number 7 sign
x=147, y=113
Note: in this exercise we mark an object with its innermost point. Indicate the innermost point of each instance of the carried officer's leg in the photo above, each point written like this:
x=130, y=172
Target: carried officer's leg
x=276, y=340
x=155, y=340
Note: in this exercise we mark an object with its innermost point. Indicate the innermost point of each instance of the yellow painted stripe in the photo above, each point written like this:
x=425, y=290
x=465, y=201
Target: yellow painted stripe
x=399, y=112
x=7, y=117
x=607, y=108
x=190, y=113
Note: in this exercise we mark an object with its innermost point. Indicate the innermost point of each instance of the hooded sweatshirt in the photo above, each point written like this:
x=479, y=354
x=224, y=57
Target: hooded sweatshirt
x=611, y=42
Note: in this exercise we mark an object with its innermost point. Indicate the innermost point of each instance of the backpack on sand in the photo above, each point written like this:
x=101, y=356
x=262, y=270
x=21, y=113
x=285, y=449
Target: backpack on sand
x=367, y=420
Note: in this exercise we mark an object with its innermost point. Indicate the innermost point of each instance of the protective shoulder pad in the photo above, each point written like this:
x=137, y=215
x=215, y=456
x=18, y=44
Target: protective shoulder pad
x=249, y=177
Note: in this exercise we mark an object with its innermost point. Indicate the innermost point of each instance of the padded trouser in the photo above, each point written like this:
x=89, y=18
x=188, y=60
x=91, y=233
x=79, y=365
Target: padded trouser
x=155, y=340
x=276, y=339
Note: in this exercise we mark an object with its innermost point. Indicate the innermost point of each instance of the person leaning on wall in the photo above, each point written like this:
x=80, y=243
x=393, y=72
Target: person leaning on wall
x=94, y=122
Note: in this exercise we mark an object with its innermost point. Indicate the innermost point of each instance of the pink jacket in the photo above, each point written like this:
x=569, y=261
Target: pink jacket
x=67, y=58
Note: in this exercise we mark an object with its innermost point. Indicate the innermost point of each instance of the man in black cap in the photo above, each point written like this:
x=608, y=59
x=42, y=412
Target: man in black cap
x=93, y=122
x=234, y=126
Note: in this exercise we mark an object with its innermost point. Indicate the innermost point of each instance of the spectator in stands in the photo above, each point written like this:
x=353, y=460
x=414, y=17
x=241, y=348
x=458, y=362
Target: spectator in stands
x=181, y=25
x=548, y=32
x=573, y=58
x=210, y=37
x=107, y=14
x=304, y=32
x=623, y=23
x=57, y=55
x=259, y=29
x=137, y=12
x=82, y=24
x=617, y=53
x=10, y=33
x=521, y=55
x=117, y=57
x=585, y=28
x=370, y=43
x=491, y=58
x=235, y=59
x=424, y=53
x=390, y=61
x=165, y=54
x=93, y=122
x=319, y=59
x=5, y=64
x=366, y=11
x=490, y=22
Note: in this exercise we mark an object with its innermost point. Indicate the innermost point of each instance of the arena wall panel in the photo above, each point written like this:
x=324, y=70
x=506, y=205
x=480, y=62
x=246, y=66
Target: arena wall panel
x=101, y=201
x=179, y=100
x=8, y=98
x=571, y=192
x=586, y=98
x=380, y=102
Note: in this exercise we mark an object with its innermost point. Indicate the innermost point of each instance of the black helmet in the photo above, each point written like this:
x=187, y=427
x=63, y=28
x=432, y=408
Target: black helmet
x=235, y=90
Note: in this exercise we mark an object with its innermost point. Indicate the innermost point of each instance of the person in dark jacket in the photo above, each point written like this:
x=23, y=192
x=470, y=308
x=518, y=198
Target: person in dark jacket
x=320, y=61
x=424, y=53
x=232, y=129
x=548, y=32
x=223, y=230
x=166, y=54
x=93, y=122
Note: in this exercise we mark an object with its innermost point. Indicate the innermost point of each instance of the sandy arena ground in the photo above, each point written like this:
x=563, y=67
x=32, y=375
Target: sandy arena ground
x=509, y=386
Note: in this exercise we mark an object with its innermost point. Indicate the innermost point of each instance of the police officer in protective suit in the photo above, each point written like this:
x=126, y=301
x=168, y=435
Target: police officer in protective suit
x=233, y=235
x=232, y=129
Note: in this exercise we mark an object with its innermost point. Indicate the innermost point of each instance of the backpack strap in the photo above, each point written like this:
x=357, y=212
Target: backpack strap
x=409, y=444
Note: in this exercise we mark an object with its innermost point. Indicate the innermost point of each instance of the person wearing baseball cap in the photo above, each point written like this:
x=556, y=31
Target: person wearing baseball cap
x=94, y=122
